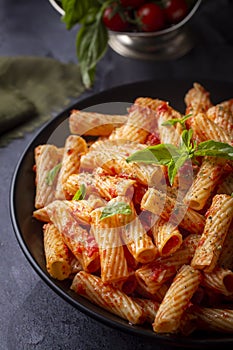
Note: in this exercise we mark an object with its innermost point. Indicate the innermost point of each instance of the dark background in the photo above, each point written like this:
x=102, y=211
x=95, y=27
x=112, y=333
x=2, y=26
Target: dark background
x=32, y=316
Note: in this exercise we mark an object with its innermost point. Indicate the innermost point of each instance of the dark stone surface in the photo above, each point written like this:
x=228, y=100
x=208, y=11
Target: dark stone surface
x=32, y=316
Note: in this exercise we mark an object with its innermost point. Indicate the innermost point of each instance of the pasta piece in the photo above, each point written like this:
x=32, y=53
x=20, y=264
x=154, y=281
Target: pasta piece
x=151, y=277
x=122, y=147
x=226, y=256
x=176, y=300
x=41, y=214
x=95, y=201
x=220, y=320
x=47, y=165
x=81, y=244
x=222, y=114
x=218, y=220
x=197, y=100
x=220, y=280
x=56, y=253
x=170, y=210
x=75, y=146
x=81, y=210
x=163, y=112
x=167, y=237
x=94, y=124
x=107, y=297
x=207, y=178
x=112, y=259
x=138, y=242
x=74, y=181
x=148, y=102
x=170, y=134
x=110, y=186
x=205, y=129
x=141, y=121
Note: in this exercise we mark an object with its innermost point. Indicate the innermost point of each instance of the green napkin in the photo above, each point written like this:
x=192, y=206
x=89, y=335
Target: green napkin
x=31, y=89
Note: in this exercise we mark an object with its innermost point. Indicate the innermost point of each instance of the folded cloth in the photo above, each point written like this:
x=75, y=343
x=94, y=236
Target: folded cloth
x=31, y=89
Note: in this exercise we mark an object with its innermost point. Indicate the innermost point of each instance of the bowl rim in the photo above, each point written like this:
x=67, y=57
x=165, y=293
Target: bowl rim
x=99, y=315
x=143, y=34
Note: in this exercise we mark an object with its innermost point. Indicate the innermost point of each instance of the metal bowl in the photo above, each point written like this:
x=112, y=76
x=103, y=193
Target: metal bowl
x=167, y=44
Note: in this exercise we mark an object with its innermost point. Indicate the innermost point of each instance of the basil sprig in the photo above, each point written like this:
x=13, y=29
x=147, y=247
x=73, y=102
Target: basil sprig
x=50, y=177
x=116, y=208
x=174, y=157
x=80, y=194
x=92, y=36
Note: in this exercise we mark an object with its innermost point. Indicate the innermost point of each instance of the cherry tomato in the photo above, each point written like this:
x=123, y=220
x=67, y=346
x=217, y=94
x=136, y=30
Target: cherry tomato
x=113, y=20
x=132, y=3
x=175, y=10
x=151, y=17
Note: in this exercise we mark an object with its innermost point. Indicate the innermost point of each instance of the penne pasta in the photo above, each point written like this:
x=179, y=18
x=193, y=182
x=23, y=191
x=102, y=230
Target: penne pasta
x=217, y=224
x=140, y=122
x=210, y=172
x=108, y=237
x=176, y=300
x=205, y=129
x=169, y=134
x=109, y=186
x=220, y=280
x=81, y=244
x=106, y=296
x=75, y=146
x=57, y=256
x=74, y=182
x=47, y=166
x=197, y=100
x=94, y=124
x=167, y=237
x=41, y=214
x=220, y=320
x=222, y=115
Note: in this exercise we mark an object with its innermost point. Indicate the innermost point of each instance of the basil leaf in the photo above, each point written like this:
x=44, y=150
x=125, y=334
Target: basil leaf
x=177, y=120
x=80, y=194
x=214, y=149
x=91, y=43
x=186, y=138
x=52, y=174
x=171, y=171
x=159, y=154
x=76, y=10
x=116, y=208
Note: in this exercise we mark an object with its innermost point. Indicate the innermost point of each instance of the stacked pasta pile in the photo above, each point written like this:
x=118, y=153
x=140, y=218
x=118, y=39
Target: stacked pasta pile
x=133, y=242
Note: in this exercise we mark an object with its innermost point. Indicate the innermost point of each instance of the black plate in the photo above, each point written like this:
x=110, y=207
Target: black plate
x=28, y=231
